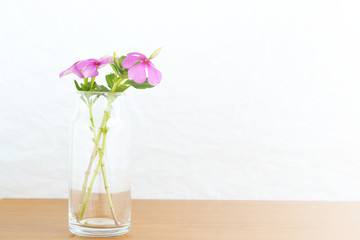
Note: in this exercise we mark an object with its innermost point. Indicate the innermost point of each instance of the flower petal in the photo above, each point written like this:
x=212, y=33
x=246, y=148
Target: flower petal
x=137, y=54
x=154, y=75
x=105, y=60
x=83, y=63
x=90, y=71
x=73, y=69
x=137, y=73
x=129, y=61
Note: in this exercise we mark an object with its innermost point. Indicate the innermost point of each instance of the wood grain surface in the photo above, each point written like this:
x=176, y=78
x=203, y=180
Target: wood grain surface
x=186, y=219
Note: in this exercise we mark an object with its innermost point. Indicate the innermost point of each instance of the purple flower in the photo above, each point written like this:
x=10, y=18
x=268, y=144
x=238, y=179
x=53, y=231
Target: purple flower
x=87, y=68
x=137, y=72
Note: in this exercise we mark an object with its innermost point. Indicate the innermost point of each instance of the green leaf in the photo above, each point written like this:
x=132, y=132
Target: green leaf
x=116, y=65
x=122, y=88
x=85, y=87
x=122, y=70
x=116, y=61
x=121, y=59
x=77, y=85
x=94, y=88
x=110, y=79
x=102, y=88
x=139, y=85
x=117, y=68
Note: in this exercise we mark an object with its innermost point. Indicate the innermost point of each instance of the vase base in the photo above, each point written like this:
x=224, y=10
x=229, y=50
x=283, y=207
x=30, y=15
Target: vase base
x=98, y=232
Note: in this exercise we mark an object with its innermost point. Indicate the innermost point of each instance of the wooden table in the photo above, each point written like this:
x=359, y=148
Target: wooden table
x=183, y=219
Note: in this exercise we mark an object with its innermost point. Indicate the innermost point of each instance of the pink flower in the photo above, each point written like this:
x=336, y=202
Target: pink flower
x=137, y=72
x=87, y=68
x=73, y=69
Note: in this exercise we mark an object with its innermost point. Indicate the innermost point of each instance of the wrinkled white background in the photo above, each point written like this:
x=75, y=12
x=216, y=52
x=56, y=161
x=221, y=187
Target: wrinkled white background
x=259, y=99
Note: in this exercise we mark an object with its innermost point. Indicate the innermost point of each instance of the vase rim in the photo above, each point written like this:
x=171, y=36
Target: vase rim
x=99, y=92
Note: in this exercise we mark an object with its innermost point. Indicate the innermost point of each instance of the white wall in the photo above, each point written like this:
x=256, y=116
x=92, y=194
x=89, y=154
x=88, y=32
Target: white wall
x=259, y=99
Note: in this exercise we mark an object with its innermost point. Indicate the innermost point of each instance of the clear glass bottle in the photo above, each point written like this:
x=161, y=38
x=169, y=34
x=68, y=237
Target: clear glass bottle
x=99, y=189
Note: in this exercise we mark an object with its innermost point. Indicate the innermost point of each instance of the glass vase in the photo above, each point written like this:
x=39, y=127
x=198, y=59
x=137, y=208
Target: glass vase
x=99, y=189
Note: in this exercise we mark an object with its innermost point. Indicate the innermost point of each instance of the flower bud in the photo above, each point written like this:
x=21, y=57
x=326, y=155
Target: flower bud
x=157, y=51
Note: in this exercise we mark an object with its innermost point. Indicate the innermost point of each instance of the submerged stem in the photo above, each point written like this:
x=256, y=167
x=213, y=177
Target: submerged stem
x=92, y=158
x=92, y=128
x=101, y=156
x=102, y=130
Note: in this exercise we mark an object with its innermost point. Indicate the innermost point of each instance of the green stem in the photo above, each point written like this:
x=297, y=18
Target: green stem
x=92, y=127
x=92, y=157
x=92, y=83
x=104, y=129
x=96, y=171
x=105, y=179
